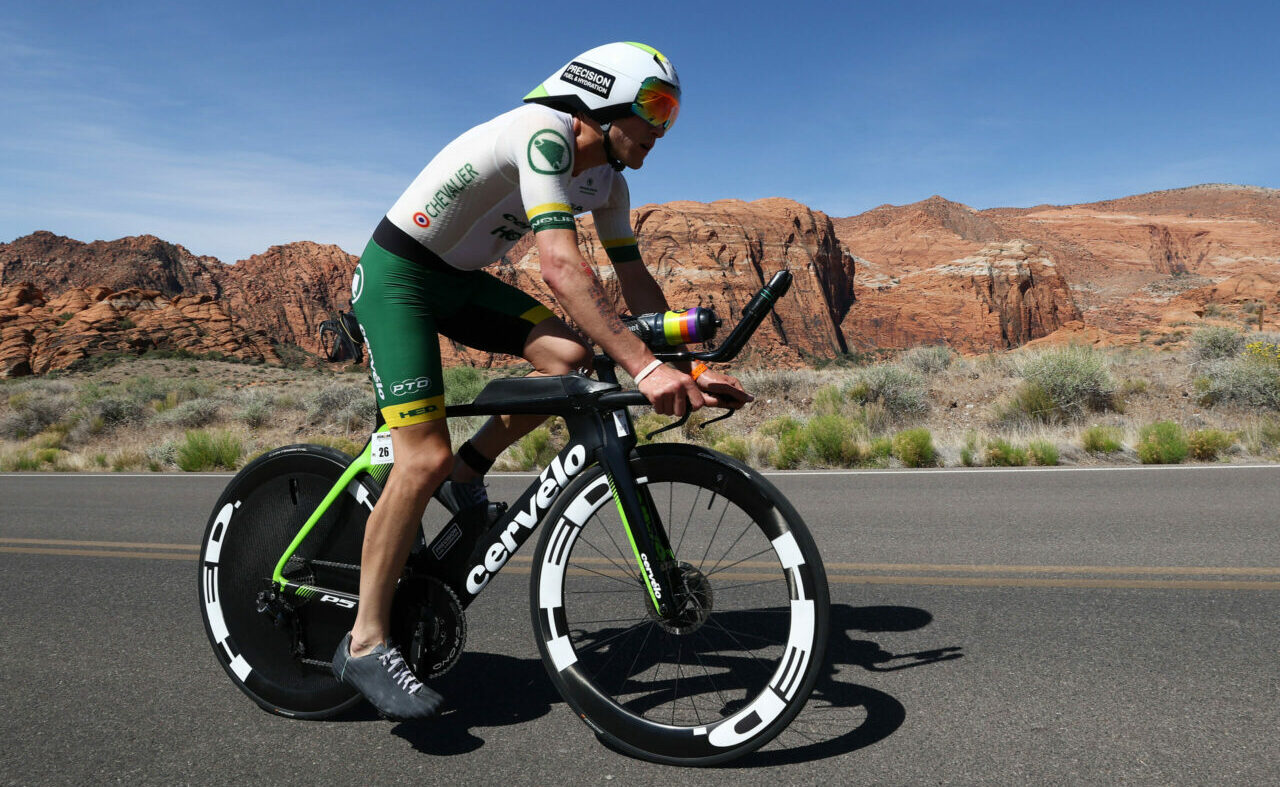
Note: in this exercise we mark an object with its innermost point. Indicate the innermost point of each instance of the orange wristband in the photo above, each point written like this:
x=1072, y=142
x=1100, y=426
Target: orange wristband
x=697, y=370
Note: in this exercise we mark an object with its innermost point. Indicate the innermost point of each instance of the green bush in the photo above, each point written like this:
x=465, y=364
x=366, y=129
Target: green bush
x=733, y=446
x=881, y=448
x=1030, y=401
x=1000, y=453
x=1043, y=453
x=1206, y=444
x=326, y=405
x=534, y=450
x=1215, y=343
x=914, y=448
x=901, y=391
x=1162, y=443
x=828, y=401
x=831, y=441
x=791, y=450
x=969, y=451
x=203, y=450
x=1101, y=440
x=462, y=384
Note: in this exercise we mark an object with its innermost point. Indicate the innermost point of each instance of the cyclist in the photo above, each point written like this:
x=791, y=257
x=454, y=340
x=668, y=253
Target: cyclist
x=561, y=153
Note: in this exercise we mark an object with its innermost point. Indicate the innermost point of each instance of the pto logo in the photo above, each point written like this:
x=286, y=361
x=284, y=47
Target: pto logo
x=410, y=386
x=357, y=283
x=549, y=153
x=421, y=220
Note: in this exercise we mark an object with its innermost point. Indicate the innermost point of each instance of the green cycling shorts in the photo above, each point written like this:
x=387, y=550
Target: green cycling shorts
x=404, y=305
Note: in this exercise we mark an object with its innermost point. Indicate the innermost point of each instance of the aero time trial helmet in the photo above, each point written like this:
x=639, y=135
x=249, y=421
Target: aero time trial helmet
x=613, y=81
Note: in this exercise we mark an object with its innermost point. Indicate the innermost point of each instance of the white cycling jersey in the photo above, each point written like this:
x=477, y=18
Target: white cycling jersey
x=500, y=179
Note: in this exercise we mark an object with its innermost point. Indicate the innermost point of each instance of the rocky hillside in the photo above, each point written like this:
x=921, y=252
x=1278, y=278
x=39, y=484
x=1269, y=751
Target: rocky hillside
x=934, y=271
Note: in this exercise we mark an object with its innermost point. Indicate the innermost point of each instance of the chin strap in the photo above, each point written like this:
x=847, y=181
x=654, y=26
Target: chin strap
x=608, y=150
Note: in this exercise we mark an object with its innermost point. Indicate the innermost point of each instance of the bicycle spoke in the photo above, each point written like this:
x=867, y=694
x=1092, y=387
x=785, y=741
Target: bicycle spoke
x=749, y=651
x=714, y=533
x=743, y=560
x=626, y=676
x=597, y=645
x=619, y=580
x=722, y=588
x=720, y=560
x=583, y=538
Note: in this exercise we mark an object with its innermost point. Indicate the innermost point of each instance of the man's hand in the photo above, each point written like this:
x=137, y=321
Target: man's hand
x=671, y=392
x=722, y=390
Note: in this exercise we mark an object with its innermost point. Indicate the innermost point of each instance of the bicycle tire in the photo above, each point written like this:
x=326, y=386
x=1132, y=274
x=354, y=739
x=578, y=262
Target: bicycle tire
x=252, y=524
x=758, y=588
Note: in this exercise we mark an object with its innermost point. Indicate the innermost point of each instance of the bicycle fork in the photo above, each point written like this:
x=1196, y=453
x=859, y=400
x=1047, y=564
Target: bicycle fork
x=649, y=542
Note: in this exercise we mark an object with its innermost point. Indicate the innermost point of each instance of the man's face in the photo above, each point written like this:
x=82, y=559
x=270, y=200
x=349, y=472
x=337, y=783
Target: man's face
x=632, y=139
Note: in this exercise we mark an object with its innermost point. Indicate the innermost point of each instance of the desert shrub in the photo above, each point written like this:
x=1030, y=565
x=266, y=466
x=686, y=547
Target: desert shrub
x=191, y=414
x=1101, y=440
x=1030, y=401
x=734, y=446
x=163, y=454
x=1000, y=453
x=969, y=451
x=462, y=384
x=881, y=448
x=1205, y=445
x=927, y=359
x=914, y=448
x=324, y=405
x=1215, y=343
x=115, y=411
x=1242, y=380
x=831, y=441
x=357, y=416
x=534, y=450
x=792, y=446
x=201, y=450
x=901, y=391
x=343, y=444
x=255, y=407
x=1076, y=379
x=34, y=411
x=767, y=384
x=828, y=401
x=1162, y=443
x=1264, y=349
x=1043, y=453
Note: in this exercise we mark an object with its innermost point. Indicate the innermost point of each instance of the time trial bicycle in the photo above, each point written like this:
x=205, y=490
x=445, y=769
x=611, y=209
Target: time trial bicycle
x=679, y=603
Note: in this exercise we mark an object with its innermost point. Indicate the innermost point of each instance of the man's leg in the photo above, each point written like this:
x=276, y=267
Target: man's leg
x=552, y=348
x=423, y=459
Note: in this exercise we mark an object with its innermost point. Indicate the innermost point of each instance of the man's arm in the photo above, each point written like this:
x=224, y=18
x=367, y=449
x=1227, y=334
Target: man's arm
x=578, y=291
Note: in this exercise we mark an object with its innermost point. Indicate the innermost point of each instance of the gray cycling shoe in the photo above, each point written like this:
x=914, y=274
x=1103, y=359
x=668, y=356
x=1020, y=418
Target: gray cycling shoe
x=386, y=681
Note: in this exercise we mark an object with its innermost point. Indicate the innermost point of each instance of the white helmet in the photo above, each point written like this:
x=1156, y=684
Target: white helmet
x=613, y=81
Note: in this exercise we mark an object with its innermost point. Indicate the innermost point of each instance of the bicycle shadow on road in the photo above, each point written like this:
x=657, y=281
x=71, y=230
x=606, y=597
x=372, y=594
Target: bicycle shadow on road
x=493, y=690
x=483, y=690
x=842, y=716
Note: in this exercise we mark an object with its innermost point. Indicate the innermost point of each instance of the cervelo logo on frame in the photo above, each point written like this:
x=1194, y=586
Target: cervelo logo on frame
x=553, y=480
x=588, y=78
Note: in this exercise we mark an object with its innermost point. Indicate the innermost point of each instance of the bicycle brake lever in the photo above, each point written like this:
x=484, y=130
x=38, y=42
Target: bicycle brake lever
x=728, y=414
x=669, y=427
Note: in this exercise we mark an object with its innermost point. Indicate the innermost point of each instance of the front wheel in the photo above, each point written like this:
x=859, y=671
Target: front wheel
x=738, y=662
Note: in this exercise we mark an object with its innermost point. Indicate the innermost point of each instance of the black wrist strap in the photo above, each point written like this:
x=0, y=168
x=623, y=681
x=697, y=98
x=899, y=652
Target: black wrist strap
x=474, y=459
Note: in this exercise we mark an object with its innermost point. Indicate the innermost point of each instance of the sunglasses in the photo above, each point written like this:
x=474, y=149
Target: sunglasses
x=657, y=102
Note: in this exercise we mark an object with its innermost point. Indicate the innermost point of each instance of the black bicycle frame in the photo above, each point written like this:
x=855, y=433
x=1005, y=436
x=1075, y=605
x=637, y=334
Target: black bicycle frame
x=600, y=432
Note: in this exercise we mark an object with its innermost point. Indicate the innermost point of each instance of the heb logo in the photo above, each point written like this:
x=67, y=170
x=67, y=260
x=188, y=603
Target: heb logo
x=588, y=78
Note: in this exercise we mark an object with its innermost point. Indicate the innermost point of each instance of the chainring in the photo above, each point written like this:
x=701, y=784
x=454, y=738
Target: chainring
x=428, y=625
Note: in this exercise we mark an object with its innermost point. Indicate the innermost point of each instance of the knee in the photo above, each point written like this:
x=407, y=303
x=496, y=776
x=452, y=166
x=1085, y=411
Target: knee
x=421, y=467
x=571, y=357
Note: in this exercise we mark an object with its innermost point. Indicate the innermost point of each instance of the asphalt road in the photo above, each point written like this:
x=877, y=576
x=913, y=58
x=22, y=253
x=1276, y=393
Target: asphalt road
x=1047, y=626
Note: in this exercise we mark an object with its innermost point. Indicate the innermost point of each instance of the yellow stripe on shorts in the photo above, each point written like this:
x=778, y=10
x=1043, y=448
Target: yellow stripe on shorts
x=414, y=412
x=536, y=315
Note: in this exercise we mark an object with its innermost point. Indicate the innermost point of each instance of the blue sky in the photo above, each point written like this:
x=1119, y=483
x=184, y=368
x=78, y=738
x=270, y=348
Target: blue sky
x=231, y=126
